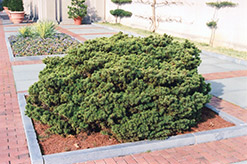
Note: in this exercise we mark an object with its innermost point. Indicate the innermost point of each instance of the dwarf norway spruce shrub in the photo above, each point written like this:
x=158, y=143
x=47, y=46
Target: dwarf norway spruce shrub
x=132, y=88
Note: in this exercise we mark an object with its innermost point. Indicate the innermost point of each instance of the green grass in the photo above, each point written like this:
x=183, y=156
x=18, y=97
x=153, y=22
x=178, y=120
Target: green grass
x=200, y=45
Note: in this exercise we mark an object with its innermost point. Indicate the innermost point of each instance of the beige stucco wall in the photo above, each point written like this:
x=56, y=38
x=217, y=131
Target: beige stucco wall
x=96, y=9
x=53, y=10
x=183, y=20
x=189, y=20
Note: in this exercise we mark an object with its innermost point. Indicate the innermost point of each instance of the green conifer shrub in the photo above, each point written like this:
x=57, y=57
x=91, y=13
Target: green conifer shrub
x=128, y=87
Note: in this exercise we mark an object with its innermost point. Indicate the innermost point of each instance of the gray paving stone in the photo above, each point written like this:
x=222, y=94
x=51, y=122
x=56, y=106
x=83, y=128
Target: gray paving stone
x=24, y=85
x=213, y=64
x=77, y=26
x=95, y=36
x=16, y=28
x=26, y=75
x=230, y=66
x=233, y=90
x=207, y=68
x=90, y=31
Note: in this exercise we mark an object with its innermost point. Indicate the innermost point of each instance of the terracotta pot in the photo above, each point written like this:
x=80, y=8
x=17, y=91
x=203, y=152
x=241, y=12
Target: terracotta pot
x=6, y=9
x=78, y=21
x=17, y=16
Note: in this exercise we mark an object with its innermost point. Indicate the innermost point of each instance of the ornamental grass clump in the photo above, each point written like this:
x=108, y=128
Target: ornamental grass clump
x=127, y=87
x=45, y=29
x=40, y=39
x=25, y=31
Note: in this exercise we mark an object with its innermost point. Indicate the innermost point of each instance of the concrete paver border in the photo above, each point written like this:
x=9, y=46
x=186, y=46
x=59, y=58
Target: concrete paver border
x=125, y=148
x=33, y=145
x=226, y=116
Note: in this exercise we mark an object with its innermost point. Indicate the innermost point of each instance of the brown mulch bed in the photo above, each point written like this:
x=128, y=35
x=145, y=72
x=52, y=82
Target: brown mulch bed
x=53, y=143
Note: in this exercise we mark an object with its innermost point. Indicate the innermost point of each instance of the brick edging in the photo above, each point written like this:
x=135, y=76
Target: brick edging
x=224, y=75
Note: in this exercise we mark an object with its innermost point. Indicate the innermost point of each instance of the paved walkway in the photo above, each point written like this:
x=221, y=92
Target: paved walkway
x=228, y=80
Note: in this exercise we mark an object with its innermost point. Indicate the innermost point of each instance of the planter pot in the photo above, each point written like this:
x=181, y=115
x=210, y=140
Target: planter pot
x=17, y=16
x=6, y=9
x=78, y=21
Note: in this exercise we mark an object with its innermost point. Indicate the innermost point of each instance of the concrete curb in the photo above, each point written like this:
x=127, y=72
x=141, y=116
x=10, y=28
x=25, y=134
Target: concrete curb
x=226, y=116
x=125, y=148
x=224, y=57
x=32, y=142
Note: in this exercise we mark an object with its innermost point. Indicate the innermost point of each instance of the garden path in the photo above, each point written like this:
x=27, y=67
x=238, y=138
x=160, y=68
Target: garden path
x=228, y=79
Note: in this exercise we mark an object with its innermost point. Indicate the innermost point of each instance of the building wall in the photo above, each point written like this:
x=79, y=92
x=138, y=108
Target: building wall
x=189, y=20
x=53, y=10
x=186, y=20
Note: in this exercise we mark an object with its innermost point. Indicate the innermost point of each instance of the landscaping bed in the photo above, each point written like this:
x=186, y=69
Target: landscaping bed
x=126, y=88
x=40, y=39
x=54, y=143
x=58, y=43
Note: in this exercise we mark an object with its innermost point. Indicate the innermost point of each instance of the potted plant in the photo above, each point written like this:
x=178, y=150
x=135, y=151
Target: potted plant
x=77, y=11
x=17, y=11
x=5, y=4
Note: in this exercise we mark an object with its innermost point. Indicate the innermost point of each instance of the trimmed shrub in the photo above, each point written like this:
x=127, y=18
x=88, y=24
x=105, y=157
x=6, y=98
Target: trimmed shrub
x=121, y=13
x=212, y=24
x=128, y=87
x=77, y=9
x=16, y=5
x=5, y=3
x=45, y=29
x=120, y=2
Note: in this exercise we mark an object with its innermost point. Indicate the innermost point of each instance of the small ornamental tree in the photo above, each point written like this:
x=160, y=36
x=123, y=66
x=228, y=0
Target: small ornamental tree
x=131, y=88
x=77, y=9
x=154, y=4
x=120, y=13
x=213, y=23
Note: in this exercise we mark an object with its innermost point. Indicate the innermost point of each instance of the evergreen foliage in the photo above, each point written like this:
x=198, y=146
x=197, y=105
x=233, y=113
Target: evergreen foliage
x=121, y=1
x=16, y=5
x=5, y=3
x=212, y=24
x=121, y=13
x=77, y=9
x=131, y=88
x=222, y=4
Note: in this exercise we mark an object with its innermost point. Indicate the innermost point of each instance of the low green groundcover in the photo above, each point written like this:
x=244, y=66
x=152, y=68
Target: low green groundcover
x=127, y=87
x=33, y=46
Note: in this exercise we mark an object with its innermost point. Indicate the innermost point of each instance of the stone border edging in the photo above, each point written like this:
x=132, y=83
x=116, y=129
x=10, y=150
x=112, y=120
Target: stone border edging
x=32, y=142
x=225, y=115
x=225, y=57
x=125, y=148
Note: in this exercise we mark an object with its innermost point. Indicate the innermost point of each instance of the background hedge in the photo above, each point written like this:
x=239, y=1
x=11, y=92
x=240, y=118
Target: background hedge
x=128, y=87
